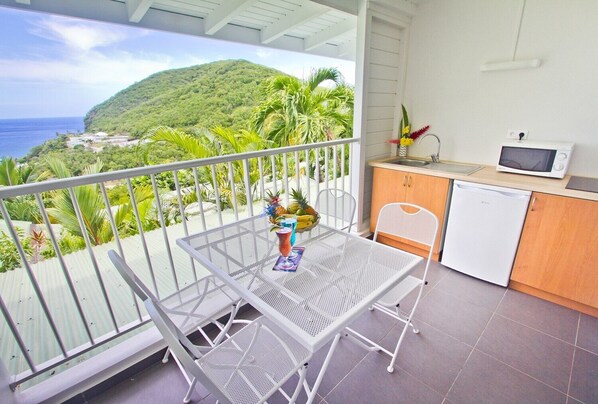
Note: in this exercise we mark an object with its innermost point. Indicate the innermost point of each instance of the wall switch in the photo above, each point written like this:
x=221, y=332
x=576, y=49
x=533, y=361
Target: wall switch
x=517, y=134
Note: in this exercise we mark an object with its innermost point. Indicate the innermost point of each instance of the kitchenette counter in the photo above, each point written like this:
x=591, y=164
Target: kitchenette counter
x=489, y=175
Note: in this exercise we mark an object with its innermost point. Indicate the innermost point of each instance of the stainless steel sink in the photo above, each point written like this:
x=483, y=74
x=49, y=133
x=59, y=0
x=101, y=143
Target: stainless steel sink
x=410, y=162
x=454, y=168
x=448, y=167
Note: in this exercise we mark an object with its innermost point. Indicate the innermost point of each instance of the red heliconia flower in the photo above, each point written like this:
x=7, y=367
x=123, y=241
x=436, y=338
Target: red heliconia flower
x=418, y=133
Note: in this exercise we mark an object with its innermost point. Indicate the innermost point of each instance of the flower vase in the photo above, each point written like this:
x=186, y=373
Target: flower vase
x=402, y=151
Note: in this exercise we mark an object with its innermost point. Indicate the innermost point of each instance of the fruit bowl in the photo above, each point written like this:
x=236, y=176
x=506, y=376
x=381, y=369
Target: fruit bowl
x=311, y=226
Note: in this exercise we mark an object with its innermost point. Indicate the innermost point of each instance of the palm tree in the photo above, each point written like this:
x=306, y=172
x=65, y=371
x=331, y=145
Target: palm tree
x=90, y=203
x=20, y=207
x=13, y=174
x=93, y=209
x=300, y=112
x=216, y=142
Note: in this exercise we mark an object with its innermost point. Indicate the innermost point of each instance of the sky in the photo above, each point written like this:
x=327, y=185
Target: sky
x=53, y=66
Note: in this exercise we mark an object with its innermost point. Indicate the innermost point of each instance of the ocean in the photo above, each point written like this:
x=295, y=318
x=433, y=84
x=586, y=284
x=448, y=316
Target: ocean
x=18, y=136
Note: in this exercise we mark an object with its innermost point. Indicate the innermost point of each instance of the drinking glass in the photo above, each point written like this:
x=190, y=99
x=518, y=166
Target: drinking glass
x=291, y=223
x=284, y=246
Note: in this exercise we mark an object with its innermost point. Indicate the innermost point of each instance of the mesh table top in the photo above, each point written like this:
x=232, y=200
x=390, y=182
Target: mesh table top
x=340, y=275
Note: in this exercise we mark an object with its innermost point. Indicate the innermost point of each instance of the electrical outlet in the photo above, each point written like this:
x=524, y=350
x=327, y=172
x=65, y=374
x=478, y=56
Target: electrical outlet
x=515, y=134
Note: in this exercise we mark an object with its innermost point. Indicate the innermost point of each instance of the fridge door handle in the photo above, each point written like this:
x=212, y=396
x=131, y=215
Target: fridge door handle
x=492, y=191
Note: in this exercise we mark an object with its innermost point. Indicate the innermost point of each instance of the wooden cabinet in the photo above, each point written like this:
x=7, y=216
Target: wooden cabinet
x=399, y=186
x=557, y=258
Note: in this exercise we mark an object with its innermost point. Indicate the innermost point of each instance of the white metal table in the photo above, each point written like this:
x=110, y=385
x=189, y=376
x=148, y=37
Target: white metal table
x=340, y=275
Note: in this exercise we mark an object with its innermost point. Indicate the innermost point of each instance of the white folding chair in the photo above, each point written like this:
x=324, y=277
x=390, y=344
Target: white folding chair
x=336, y=208
x=419, y=225
x=249, y=367
x=194, y=306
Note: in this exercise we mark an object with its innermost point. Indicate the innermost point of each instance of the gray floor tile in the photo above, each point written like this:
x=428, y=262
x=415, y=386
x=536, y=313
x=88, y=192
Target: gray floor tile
x=432, y=356
x=160, y=383
x=436, y=272
x=550, y=318
x=344, y=358
x=374, y=324
x=541, y=356
x=584, y=378
x=457, y=317
x=486, y=380
x=369, y=382
x=453, y=312
x=472, y=290
x=587, y=337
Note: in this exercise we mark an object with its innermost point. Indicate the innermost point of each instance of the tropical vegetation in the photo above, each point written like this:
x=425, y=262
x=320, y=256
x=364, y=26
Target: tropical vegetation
x=222, y=93
x=206, y=111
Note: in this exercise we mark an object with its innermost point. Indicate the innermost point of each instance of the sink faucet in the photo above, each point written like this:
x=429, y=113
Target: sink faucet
x=435, y=157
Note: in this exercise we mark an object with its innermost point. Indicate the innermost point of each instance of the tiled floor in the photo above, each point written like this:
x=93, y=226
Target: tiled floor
x=479, y=343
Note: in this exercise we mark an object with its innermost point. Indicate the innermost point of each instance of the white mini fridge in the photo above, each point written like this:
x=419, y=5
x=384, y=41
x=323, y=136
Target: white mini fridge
x=483, y=229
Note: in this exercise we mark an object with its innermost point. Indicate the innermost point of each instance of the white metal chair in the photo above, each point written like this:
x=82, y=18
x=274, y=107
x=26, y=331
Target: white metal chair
x=336, y=208
x=194, y=306
x=419, y=225
x=249, y=367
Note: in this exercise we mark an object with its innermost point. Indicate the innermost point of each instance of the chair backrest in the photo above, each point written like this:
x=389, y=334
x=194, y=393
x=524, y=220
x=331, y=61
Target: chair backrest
x=129, y=276
x=408, y=221
x=184, y=350
x=336, y=208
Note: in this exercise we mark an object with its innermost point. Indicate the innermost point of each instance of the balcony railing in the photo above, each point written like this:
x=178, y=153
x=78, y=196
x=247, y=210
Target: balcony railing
x=68, y=306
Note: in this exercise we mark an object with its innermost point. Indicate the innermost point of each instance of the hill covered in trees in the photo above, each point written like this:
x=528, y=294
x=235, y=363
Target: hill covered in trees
x=221, y=93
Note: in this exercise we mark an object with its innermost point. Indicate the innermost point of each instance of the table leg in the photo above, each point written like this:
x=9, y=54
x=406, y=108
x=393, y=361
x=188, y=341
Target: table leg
x=314, y=389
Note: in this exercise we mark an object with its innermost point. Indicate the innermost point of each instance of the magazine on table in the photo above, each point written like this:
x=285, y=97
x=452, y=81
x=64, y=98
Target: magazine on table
x=295, y=259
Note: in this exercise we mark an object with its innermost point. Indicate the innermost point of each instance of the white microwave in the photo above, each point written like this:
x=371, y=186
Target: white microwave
x=544, y=159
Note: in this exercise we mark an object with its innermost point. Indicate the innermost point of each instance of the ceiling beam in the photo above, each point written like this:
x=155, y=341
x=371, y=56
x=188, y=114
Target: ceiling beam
x=331, y=33
x=224, y=13
x=347, y=50
x=308, y=11
x=390, y=7
x=136, y=9
x=348, y=6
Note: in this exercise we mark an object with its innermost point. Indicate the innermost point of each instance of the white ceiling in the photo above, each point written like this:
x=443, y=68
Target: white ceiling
x=322, y=27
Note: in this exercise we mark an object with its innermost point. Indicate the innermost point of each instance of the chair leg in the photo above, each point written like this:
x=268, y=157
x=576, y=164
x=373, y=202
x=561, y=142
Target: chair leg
x=166, y=356
x=391, y=367
x=187, y=397
x=406, y=320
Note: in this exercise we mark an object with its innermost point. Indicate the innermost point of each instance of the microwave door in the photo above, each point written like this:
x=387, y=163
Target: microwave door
x=527, y=159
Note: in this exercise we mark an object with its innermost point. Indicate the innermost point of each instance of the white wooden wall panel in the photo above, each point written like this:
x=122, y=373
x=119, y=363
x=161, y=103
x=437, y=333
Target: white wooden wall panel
x=383, y=73
x=381, y=100
x=376, y=149
x=379, y=138
x=381, y=113
x=382, y=86
x=384, y=58
x=379, y=125
x=383, y=42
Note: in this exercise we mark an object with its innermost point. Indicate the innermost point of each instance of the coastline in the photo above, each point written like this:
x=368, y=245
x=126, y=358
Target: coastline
x=19, y=135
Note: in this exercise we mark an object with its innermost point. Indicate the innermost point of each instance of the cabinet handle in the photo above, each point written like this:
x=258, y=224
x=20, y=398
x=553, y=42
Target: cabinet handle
x=404, y=180
x=409, y=181
x=531, y=209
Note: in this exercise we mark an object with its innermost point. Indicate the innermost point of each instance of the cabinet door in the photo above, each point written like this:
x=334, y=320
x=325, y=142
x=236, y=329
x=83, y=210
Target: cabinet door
x=389, y=186
x=398, y=186
x=431, y=193
x=558, y=251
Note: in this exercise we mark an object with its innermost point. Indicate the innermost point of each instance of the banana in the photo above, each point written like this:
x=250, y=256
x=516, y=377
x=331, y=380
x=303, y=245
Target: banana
x=305, y=218
x=302, y=225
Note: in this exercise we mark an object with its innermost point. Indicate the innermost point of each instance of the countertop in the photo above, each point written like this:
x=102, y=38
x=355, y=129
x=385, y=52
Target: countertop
x=489, y=175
